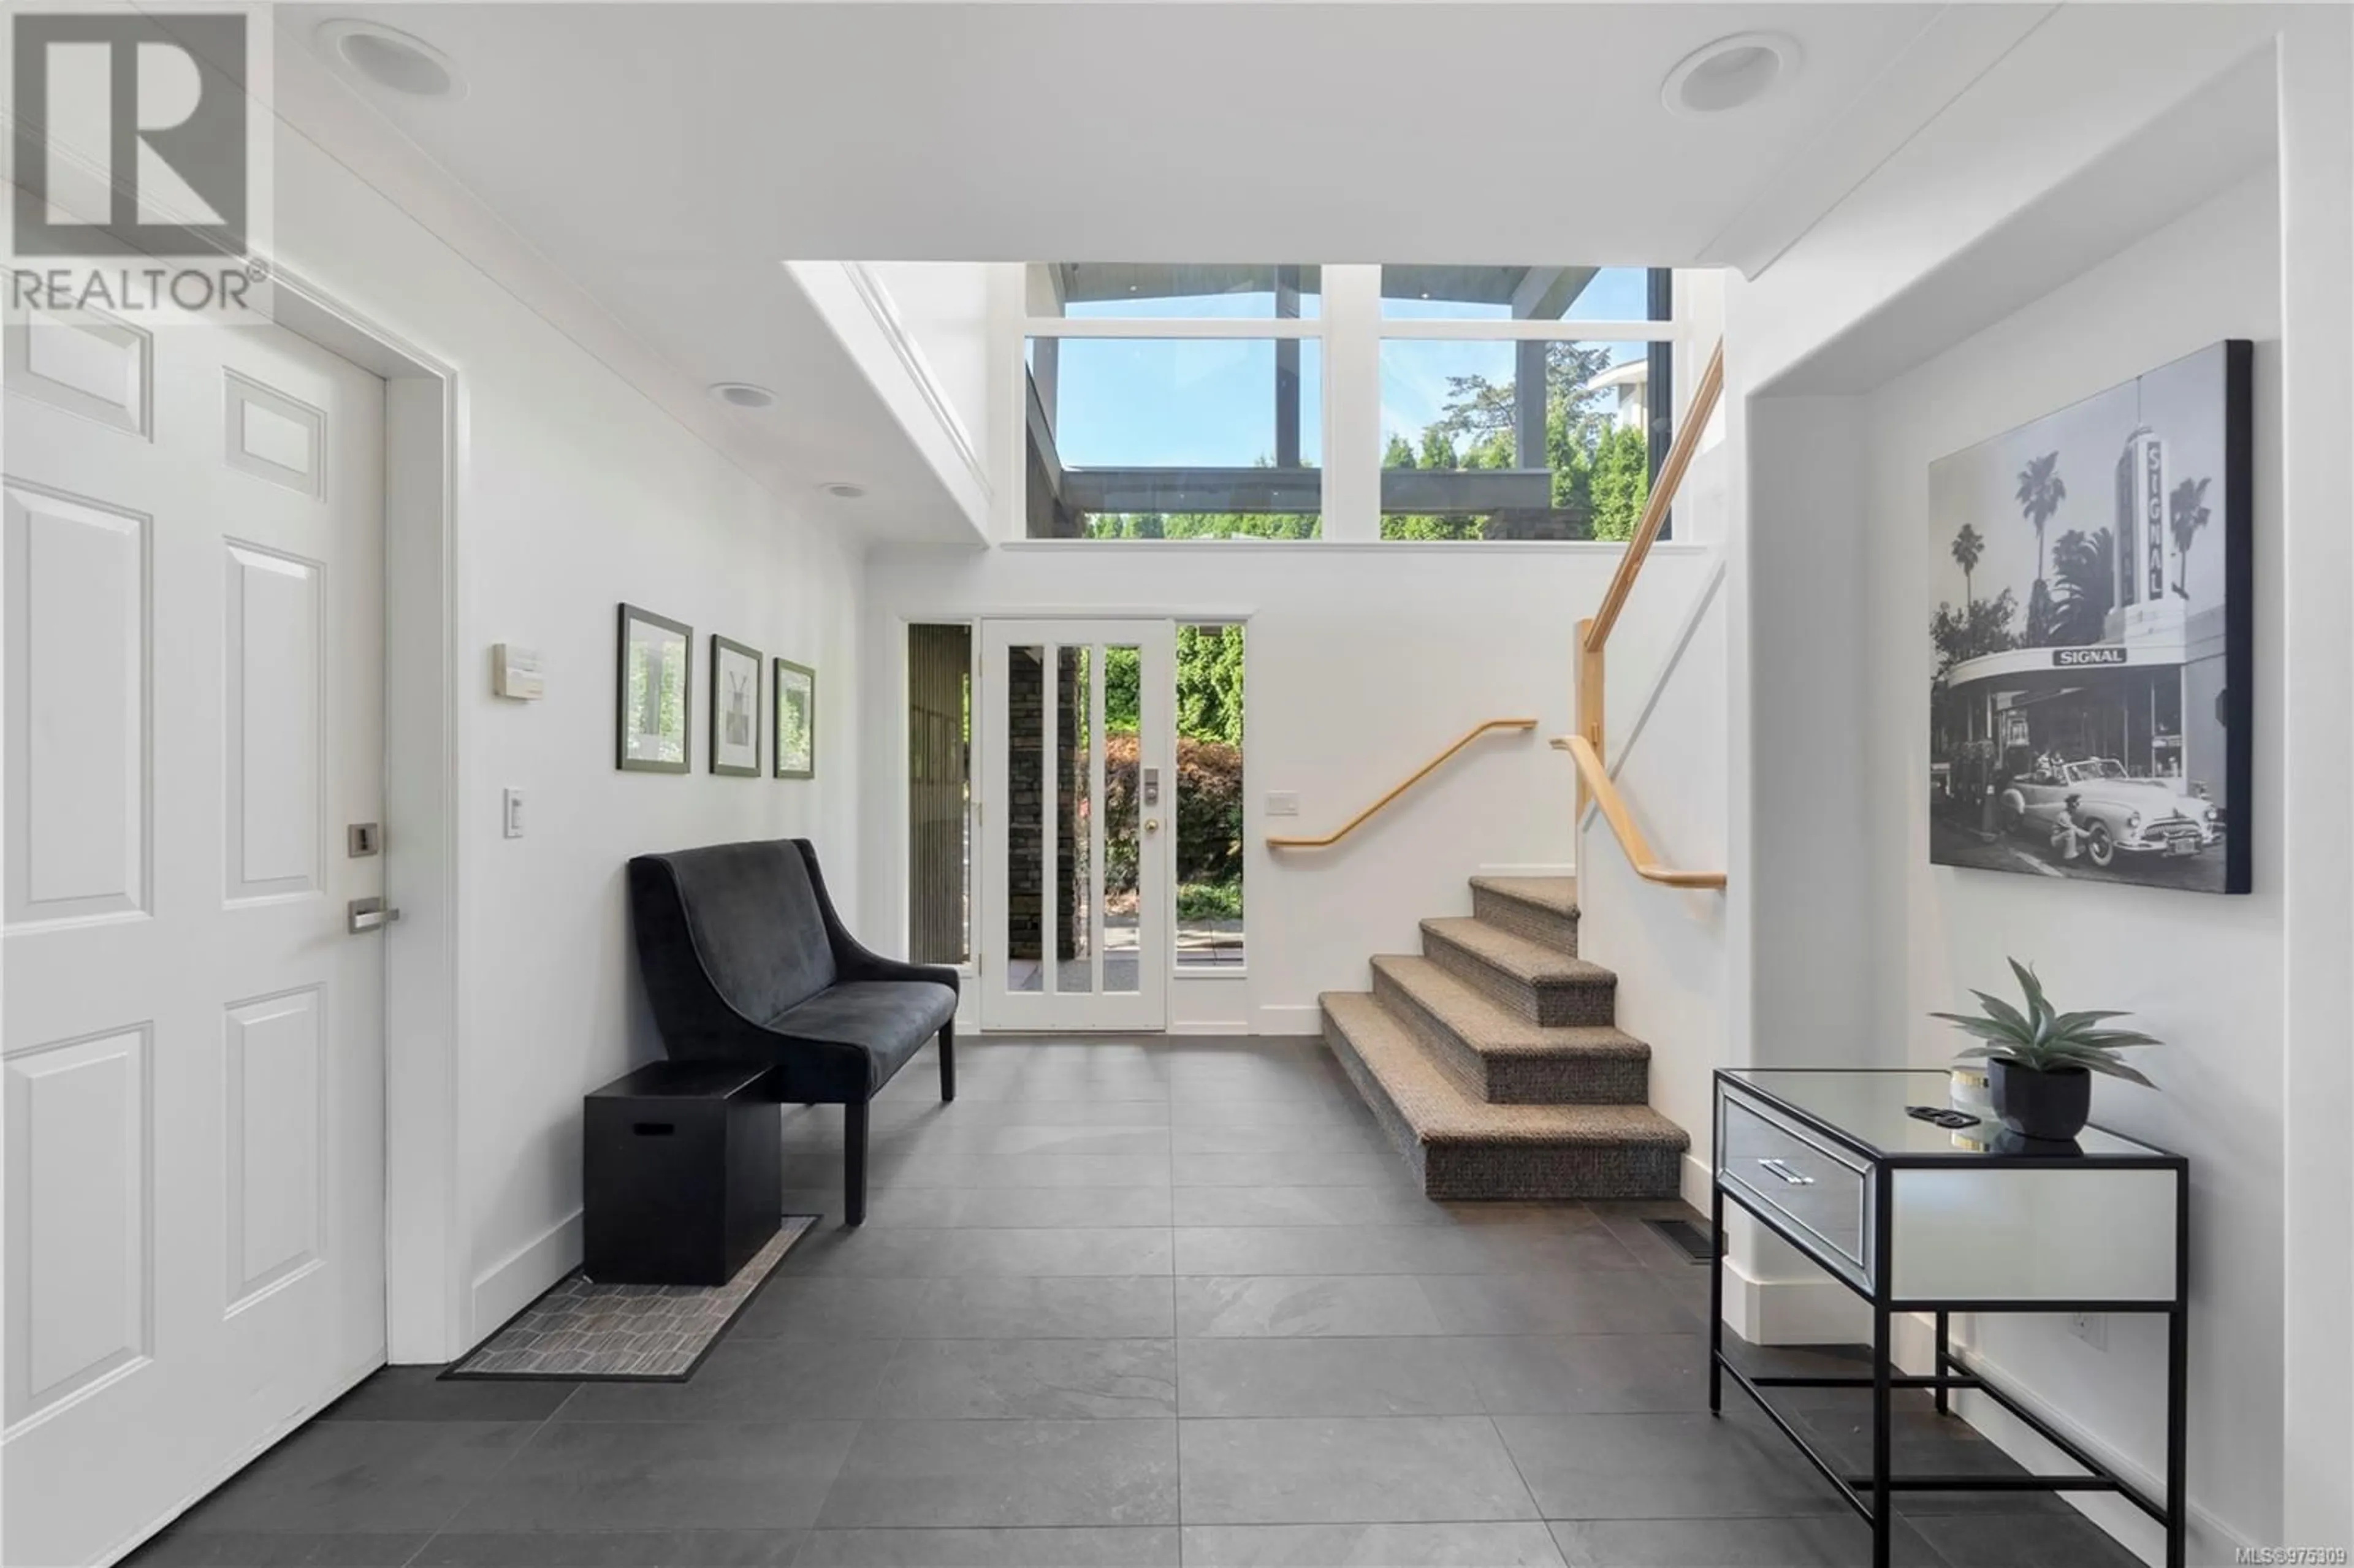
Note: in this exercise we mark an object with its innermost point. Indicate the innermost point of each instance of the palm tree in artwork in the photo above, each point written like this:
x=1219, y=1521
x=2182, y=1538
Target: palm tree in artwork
x=2041, y=492
x=2087, y=567
x=2187, y=513
x=1969, y=548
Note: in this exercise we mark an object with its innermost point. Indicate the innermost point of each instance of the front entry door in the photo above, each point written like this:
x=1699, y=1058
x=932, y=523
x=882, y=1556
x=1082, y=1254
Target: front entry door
x=192, y=1068
x=1078, y=812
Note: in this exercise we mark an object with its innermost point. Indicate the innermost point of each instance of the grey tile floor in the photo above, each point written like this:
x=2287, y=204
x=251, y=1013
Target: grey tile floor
x=1131, y=1302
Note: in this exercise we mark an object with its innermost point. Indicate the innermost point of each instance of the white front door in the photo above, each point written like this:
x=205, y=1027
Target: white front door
x=194, y=1053
x=1079, y=810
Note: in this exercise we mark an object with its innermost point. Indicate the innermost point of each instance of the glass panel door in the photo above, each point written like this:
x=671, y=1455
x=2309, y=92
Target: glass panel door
x=1078, y=815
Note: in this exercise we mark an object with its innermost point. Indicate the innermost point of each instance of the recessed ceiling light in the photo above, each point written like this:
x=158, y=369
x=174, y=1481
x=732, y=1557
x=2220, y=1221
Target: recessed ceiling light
x=742, y=395
x=1731, y=73
x=843, y=489
x=391, y=58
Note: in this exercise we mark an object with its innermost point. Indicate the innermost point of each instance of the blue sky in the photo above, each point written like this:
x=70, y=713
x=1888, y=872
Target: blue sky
x=1208, y=402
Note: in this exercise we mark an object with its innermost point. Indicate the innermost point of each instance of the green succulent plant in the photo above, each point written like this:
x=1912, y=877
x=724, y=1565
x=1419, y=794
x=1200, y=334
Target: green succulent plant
x=2044, y=1039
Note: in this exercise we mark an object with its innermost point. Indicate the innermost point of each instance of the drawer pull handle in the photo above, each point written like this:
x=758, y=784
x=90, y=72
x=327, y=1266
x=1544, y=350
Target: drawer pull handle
x=1781, y=1167
x=653, y=1128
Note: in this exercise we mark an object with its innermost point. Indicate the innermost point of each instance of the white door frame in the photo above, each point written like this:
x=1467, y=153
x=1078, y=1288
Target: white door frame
x=991, y=868
x=426, y=1250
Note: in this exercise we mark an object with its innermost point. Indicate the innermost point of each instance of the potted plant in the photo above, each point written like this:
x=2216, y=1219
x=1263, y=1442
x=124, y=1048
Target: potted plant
x=2042, y=1061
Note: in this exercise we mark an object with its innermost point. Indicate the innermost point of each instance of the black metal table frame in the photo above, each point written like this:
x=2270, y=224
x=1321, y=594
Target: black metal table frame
x=1872, y=1495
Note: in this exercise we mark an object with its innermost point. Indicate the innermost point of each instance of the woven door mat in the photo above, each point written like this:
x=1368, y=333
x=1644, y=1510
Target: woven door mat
x=580, y=1331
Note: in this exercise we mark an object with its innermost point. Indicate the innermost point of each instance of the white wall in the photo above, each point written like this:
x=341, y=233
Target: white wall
x=2086, y=79
x=1667, y=944
x=945, y=307
x=1664, y=705
x=574, y=492
x=1362, y=662
x=2253, y=992
x=927, y=386
x=1672, y=712
x=2204, y=973
x=1805, y=590
x=2317, y=376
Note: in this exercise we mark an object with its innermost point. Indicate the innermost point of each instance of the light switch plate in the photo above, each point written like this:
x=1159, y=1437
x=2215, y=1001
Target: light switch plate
x=511, y=812
x=1282, y=803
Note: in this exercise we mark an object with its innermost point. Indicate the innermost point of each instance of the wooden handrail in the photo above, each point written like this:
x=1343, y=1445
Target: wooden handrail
x=1416, y=776
x=1594, y=633
x=1662, y=497
x=1598, y=782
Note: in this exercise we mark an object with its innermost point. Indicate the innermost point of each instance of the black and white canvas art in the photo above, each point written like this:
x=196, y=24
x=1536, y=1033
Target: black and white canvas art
x=735, y=708
x=2089, y=584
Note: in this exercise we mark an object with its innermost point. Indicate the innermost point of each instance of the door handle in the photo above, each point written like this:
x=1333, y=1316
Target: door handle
x=1151, y=824
x=366, y=914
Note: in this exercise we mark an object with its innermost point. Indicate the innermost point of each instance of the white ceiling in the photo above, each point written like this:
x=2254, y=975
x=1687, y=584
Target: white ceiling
x=2224, y=134
x=667, y=157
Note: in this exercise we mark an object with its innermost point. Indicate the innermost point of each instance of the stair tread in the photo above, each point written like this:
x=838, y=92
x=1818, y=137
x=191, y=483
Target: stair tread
x=1530, y=962
x=1554, y=894
x=1492, y=1029
x=1441, y=1112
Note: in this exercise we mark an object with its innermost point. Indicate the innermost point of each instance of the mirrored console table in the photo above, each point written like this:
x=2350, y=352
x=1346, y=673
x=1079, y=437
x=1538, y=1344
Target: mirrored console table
x=1915, y=1217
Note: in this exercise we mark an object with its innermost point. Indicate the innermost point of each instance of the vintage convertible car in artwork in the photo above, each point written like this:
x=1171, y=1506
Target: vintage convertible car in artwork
x=2117, y=813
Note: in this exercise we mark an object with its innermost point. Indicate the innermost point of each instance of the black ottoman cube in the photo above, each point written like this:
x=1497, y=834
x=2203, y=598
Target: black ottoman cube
x=680, y=1173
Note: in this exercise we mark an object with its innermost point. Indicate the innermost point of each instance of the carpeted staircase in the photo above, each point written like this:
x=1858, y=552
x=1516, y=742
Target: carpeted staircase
x=1493, y=1062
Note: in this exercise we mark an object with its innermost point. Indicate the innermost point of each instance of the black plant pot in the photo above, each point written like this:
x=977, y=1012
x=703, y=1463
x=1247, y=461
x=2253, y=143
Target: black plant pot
x=2042, y=1105
x=2009, y=1143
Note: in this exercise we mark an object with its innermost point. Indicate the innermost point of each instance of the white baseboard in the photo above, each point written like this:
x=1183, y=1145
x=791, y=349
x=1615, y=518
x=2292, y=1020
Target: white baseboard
x=1268, y=1019
x=1913, y=1343
x=1793, y=1311
x=507, y=1287
x=1533, y=868
x=2211, y=1540
x=1211, y=1026
x=1698, y=1183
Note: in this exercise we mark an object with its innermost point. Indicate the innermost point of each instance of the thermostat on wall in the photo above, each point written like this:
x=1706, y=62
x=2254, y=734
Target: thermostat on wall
x=515, y=672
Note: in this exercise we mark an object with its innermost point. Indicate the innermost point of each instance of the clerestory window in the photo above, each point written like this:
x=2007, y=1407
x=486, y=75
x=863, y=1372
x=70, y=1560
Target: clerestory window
x=1295, y=402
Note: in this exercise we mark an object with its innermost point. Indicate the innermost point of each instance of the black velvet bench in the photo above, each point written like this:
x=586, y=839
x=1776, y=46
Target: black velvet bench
x=747, y=962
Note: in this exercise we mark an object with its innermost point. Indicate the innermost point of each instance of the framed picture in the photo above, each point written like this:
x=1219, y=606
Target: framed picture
x=654, y=690
x=796, y=722
x=2090, y=586
x=735, y=708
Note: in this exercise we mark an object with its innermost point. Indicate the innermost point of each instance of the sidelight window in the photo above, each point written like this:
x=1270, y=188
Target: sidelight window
x=939, y=793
